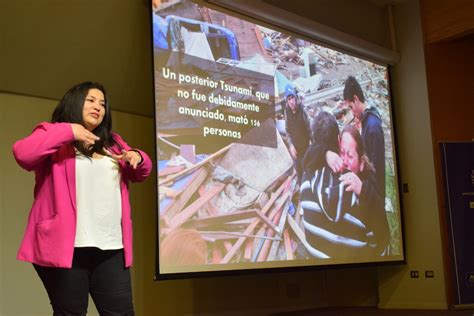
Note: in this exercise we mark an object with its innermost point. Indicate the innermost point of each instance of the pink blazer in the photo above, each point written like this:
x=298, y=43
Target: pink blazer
x=51, y=230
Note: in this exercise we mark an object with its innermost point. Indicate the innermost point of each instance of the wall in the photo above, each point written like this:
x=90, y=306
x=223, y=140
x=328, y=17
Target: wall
x=344, y=16
x=49, y=45
x=449, y=67
x=19, y=283
x=422, y=233
x=19, y=279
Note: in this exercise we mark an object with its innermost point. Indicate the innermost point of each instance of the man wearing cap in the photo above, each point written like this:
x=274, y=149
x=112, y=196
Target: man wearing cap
x=297, y=128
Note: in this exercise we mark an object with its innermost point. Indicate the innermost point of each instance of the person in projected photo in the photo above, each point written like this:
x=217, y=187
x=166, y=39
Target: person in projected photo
x=342, y=218
x=297, y=128
x=370, y=120
x=79, y=232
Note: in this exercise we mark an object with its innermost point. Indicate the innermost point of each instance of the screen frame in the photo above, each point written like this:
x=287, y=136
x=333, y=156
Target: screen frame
x=385, y=58
x=294, y=24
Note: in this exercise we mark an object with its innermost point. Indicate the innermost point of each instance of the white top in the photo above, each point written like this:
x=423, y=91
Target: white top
x=99, y=205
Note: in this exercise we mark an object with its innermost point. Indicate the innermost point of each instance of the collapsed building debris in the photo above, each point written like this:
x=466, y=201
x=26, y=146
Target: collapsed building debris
x=241, y=215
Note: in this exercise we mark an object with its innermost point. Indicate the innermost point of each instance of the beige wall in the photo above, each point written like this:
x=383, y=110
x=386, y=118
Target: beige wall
x=420, y=207
x=21, y=292
x=49, y=45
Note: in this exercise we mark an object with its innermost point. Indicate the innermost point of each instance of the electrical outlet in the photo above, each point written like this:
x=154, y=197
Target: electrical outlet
x=414, y=274
x=429, y=274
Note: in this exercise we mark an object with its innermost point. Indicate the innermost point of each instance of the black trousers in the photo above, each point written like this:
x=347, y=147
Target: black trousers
x=101, y=273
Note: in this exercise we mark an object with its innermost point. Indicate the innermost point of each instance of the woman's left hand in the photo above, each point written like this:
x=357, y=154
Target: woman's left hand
x=352, y=181
x=131, y=157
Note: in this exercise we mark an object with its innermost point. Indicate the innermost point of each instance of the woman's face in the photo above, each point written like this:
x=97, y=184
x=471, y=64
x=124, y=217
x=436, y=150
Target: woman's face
x=93, y=111
x=348, y=153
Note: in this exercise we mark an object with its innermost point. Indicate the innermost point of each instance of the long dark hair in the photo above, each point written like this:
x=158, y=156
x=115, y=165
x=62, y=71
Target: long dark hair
x=69, y=110
x=324, y=137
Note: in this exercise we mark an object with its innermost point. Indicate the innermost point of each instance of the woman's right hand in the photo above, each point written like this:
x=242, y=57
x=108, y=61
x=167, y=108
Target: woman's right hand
x=352, y=182
x=81, y=134
x=334, y=161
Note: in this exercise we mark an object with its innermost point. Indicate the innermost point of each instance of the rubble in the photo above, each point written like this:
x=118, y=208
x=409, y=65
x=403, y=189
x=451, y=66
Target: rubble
x=241, y=215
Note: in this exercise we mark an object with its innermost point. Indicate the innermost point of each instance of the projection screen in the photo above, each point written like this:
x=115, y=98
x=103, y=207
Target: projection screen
x=273, y=151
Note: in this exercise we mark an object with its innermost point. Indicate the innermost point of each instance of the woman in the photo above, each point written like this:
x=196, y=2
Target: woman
x=323, y=198
x=360, y=179
x=338, y=209
x=79, y=232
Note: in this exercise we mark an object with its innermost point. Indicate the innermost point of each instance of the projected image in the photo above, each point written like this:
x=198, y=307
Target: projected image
x=272, y=151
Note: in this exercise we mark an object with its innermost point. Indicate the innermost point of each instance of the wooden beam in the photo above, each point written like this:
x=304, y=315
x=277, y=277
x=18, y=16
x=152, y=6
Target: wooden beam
x=300, y=234
x=219, y=235
x=189, y=189
x=282, y=221
x=259, y=248
x=297, y=230
x=239, y=226
x=281, y=226
x=199, y=164
x=170, y=170
x=267, y=221
x=169, y=192
x=211, y=208
x=258, y=244
x=248, y=250
x=288, y=248
x=275, y=219
x=220, y=219
x=189, y=211
x=230, y=254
